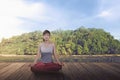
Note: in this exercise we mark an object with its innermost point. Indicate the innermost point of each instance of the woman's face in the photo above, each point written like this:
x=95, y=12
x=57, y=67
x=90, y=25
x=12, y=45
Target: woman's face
x=46, y=37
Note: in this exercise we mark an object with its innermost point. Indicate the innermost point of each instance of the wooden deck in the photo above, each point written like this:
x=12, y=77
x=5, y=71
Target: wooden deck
x=70, y=71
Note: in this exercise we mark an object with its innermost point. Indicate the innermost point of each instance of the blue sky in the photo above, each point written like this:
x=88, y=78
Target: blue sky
x=21, y=16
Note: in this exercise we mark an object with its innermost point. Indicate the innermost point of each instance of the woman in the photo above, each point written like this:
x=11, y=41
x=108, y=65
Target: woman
x=45, y=50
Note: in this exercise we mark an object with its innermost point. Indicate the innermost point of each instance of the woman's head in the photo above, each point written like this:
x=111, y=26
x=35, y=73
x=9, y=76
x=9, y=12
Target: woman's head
x=46, y=35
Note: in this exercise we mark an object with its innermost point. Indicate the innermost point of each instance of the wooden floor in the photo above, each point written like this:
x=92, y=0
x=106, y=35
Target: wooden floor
x=70, y=71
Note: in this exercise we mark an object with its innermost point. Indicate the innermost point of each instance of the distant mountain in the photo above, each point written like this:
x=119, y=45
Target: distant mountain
x=68, y=42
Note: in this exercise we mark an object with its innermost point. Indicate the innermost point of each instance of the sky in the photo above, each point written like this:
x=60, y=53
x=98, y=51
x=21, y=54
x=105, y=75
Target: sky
x=22, y=16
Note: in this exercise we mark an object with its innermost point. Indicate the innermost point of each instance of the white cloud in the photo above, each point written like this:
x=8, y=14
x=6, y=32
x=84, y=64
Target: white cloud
x=109, y=10
x=105, y=14
x=20, y=8
x=111, y=14
x=10, y=10
x=51, y=18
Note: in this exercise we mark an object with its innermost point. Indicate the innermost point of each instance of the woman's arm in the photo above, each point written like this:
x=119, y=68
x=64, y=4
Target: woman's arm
x=55, y=55
x=37, y=56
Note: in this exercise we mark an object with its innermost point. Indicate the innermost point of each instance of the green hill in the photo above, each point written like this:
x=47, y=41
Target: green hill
x=75, y=42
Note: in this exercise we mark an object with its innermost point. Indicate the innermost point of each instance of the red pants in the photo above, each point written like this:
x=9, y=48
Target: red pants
x=45, y=67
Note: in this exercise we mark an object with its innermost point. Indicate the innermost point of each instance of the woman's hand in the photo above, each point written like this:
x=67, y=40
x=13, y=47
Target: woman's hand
x=30, y=65
x=60, y=63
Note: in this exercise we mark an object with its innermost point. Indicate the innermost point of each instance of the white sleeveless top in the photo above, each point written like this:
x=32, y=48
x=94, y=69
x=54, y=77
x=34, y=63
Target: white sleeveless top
x=46, y=53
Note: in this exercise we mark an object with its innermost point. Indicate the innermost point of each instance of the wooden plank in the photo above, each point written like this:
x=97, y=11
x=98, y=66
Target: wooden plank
x=107, y=73
x=92, y=72
x=25, y=72
x=89, y=72
x=2, y=65
x=4, y=69
x=111, y=67
x=98, y=72
x=83, y=74
x=51, y=76
x=66, y=72
x=73, y=71
x=70, y=71
x=16, y=74
x=115, y=65
x=5, y=72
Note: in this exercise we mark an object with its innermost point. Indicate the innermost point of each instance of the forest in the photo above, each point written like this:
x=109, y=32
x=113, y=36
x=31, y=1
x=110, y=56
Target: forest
x=81, y=41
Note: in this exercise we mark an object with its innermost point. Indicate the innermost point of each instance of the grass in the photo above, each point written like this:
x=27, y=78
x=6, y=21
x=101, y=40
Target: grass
x=68, y=58
x=16, y=58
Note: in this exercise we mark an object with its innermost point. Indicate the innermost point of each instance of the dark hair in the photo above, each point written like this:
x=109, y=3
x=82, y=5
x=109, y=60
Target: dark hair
x=46, y=31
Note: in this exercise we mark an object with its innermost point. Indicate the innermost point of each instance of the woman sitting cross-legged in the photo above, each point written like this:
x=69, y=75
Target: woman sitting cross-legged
x=45, y=51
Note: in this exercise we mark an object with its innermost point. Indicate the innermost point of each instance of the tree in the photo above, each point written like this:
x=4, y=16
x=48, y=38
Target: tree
x=80, y=41
x=85, y=48
x=79, y=49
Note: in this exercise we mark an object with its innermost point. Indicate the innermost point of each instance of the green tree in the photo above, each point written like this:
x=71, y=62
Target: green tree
x=79, y=49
